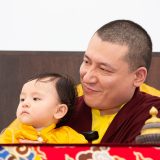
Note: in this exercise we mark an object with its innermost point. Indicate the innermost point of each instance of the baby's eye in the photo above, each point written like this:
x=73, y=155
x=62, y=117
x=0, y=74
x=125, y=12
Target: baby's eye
x=21, y=99
x=36, y=99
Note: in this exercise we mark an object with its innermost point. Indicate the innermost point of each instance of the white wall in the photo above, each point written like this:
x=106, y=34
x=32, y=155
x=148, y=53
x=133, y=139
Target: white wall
x=67, y=25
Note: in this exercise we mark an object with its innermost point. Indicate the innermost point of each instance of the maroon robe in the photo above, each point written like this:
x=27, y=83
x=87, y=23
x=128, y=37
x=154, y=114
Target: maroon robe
x=126, y=125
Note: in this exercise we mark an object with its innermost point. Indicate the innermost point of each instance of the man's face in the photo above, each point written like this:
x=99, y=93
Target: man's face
x=38, y=103
x=105, y=76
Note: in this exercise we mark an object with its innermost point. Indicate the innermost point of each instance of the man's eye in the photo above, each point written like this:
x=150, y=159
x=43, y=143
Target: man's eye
x=85, y=61
x=103, y=69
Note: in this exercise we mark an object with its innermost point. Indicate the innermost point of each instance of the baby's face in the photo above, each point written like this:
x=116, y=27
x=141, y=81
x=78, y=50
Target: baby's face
x=38, y=102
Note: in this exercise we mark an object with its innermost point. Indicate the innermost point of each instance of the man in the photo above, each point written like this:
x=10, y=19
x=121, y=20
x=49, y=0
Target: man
x=115, y=64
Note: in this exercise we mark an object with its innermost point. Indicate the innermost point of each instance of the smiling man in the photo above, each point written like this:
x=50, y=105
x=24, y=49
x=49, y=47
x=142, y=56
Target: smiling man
x=114, y=66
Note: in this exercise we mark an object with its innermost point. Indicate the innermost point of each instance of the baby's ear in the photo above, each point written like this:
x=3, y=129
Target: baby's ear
x=61, y=111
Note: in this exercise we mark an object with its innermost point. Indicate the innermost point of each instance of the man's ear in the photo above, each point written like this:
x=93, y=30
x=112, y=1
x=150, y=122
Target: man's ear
x=61, y=111
x=140, y=76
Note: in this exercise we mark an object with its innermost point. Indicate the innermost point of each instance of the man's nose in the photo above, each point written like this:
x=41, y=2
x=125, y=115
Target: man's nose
x=90, y=76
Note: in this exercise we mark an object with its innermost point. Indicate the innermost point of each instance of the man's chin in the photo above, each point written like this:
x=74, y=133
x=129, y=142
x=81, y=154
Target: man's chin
x=90, y=102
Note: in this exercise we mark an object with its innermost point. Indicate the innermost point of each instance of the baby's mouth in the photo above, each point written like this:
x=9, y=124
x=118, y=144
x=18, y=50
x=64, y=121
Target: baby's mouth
x=24, y=112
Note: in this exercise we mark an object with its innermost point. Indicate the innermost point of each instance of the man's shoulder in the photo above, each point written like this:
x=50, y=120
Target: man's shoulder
x=149, y=90
x=147, y=98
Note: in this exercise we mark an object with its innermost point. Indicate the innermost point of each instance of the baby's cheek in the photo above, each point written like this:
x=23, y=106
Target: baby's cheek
x=18, y=112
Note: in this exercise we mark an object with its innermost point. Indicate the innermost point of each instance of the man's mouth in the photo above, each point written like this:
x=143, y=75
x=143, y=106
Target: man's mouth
x=88, y=89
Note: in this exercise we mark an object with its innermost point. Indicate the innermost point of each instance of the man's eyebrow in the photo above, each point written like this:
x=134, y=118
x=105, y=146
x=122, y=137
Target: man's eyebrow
x=103, y=63
x=85, y=56
x=108, y=66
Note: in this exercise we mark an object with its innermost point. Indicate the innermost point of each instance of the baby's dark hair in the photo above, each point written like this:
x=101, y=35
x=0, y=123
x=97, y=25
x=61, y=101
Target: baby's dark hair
x=66, y=89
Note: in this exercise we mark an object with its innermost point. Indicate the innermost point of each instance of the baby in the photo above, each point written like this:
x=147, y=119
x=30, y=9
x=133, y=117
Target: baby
x=45, y=102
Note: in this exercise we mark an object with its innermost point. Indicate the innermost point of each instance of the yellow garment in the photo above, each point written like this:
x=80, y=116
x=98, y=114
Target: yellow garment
x=150, y=90
x=79, y=90
x=61, y=135
x=100, y=123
